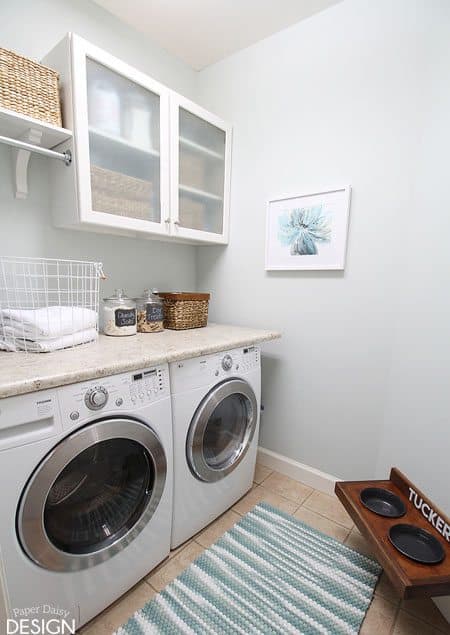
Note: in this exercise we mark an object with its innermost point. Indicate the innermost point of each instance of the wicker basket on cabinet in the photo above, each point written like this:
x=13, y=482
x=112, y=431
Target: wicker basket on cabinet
x=29, y=88
x=185, y=310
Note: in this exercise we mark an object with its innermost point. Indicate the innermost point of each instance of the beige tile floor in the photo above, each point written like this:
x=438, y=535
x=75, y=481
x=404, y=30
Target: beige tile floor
x=386, y=614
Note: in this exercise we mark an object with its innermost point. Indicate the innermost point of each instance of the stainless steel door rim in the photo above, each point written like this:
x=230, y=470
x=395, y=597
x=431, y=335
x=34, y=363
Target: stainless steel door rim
x=30, y=515
x=194, y=443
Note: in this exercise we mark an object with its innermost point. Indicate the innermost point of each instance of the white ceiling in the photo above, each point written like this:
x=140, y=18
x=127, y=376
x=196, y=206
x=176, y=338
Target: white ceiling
x=201, y=32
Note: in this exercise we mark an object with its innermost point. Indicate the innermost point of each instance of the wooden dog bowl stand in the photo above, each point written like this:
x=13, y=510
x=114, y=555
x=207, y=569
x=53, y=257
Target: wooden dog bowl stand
x=411, y=579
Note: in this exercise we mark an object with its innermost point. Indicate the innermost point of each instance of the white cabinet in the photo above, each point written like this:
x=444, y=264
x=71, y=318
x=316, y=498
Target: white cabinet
x=120, y=121
x=145, y=159
x=200, y=172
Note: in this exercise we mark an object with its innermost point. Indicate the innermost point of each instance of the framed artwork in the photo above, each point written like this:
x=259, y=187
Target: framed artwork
x=308, y=231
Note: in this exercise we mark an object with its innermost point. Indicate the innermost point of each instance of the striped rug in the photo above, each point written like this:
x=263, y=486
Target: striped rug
x=270, y=573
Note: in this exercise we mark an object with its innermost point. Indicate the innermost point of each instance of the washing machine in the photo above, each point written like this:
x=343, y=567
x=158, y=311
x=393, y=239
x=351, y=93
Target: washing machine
x=215, y=410
x=86, y=474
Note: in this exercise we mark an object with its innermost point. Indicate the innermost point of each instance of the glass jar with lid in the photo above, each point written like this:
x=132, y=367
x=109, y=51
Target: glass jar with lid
x=149, y=312
x=119, y=314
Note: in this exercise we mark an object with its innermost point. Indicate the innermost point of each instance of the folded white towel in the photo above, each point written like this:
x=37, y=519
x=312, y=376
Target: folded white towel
x=52, y=322
x=47, y=345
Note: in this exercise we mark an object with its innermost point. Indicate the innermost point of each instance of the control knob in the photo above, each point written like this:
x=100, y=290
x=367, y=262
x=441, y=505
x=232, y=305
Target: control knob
x=96, y=398
x=227, y=362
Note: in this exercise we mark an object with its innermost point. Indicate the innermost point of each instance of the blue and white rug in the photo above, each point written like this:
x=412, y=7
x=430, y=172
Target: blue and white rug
x=270, y=573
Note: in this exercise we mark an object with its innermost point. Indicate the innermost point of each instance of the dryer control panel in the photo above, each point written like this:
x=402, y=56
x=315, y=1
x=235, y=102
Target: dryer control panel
x=114, y=394
x=201, y=371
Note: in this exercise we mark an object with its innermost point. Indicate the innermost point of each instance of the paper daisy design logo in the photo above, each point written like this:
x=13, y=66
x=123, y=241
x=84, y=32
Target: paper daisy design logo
x=302, y=229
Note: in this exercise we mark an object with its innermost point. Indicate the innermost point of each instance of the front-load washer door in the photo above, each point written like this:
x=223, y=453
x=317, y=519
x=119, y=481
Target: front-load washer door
x=92, y=494
x=222, y=430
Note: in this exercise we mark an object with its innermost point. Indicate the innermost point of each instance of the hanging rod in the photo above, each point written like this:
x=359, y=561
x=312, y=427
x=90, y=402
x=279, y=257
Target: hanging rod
x=62, y=156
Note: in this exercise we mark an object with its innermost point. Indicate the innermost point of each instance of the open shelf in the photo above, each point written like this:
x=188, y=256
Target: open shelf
x=16, y=126
x=201, y=149
x=192, y=191
x=28, y=135
x=411, y=579
x=107, y=139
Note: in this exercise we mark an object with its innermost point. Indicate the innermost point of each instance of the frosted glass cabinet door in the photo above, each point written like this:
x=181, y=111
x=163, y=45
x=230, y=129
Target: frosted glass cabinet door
x=200, y=176
x=123, y=121
x=123, y=143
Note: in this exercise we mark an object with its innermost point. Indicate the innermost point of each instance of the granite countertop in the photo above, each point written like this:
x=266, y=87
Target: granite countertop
x=26, y=372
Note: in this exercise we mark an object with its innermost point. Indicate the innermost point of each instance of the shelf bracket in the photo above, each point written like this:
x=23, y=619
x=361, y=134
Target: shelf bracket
x=23, y=147
x=21, y=159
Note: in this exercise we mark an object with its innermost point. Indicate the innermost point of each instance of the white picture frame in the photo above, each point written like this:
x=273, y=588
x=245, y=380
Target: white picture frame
x=308, y=231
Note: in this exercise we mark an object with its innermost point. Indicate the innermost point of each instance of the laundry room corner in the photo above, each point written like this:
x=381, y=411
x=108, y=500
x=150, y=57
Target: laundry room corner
x=224, y=317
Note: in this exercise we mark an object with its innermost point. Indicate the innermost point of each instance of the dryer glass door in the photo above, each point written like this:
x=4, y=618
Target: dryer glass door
x=92, y=495
x=99, y=496
x=222, y=430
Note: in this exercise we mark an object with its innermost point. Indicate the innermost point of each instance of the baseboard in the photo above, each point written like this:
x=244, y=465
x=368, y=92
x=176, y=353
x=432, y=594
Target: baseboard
x=300, y=472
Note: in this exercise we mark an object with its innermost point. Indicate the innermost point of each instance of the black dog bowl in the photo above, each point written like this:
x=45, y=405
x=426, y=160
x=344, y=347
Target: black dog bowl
x=382, y=502
x=417, y=544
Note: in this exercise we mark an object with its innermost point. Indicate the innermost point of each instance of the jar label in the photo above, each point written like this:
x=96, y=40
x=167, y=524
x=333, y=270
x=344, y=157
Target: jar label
x=154, y=313
x=125, y=317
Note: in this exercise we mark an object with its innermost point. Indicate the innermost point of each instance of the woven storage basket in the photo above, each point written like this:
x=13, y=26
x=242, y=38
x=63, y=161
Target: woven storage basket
x=185, y=310
x=119, y=194
x=29, y=88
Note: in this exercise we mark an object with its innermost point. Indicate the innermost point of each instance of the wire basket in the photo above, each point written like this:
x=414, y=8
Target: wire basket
x=47, y=304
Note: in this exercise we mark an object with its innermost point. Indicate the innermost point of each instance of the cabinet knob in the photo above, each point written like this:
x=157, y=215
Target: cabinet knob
x=167, y=221
x=176, y=222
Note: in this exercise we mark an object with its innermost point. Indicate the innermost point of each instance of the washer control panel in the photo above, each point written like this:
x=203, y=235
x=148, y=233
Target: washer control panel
x=202, y=371
x=147, y=386
x=251, y=358
x=113, y=395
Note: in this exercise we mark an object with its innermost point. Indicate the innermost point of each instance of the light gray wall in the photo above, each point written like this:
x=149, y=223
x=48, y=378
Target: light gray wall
x=417, y=409
x=352, y=95
x=33, y=27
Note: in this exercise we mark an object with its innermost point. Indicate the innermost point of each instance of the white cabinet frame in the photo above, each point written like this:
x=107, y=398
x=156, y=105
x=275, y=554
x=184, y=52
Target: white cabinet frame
x=196, y=235
x=72, y=195
x=81, y=50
